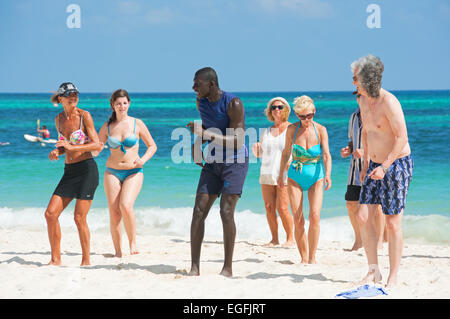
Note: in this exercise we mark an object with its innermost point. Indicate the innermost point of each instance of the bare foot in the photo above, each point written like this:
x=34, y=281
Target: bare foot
x=85, y=263
x=133, y=249
x=355, y=247
x=194, y=271
x=226, y=272
x=391, y=282
x=312, y=262
x=373, y=275
x=289, y=243
x=54, y=263
x=273, y=243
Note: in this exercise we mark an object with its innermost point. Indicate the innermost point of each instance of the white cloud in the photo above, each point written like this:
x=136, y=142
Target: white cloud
x=444, y=10
x=306, y=8
x=159, y=16
x=143, y=13
x=129, y=7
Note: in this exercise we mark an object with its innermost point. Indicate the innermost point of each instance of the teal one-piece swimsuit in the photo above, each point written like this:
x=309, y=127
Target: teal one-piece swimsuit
x=307, y=166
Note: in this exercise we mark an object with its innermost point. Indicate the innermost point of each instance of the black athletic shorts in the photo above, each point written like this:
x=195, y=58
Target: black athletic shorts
x=80, y=180
x=353, y=192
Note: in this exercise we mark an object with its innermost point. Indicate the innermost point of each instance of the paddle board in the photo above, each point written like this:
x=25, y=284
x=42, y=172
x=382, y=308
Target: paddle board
x=32, y=138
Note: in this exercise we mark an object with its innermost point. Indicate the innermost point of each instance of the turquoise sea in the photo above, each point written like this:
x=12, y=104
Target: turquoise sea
x=164, y=206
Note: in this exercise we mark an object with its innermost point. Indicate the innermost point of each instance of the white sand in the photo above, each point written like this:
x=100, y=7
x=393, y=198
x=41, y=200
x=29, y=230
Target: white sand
x=159, y=271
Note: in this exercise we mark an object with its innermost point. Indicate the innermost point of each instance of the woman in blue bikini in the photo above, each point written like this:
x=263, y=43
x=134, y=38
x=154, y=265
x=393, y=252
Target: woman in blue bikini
x=309, y=171
x=124, y=173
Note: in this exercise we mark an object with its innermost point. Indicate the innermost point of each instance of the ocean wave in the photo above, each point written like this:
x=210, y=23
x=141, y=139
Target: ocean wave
x=433, y=229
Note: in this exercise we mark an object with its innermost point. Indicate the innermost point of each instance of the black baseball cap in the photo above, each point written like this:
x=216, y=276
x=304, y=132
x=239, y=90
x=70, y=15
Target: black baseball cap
x=66, y=89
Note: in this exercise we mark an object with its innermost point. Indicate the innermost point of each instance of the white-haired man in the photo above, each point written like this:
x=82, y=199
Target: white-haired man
x=387, y=168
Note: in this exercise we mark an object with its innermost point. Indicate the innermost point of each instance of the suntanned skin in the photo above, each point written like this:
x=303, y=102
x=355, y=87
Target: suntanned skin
x=122, y=196
x=276, y=198
x=352, y=206
x=67, y=122
x=306, y=137
x=203, y=202
x=384, y=139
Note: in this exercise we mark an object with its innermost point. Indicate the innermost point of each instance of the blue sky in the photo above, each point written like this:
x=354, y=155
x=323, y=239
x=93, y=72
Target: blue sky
x=254, y=45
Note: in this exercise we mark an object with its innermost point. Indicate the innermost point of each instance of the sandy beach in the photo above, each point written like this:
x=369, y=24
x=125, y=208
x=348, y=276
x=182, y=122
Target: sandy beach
x=159, y=271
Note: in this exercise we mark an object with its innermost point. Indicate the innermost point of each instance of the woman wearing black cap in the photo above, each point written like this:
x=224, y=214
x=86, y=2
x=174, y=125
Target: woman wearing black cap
x=76, y=139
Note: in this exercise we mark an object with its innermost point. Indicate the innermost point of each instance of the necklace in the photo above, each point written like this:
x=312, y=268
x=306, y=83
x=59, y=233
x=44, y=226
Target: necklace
x=65, y=112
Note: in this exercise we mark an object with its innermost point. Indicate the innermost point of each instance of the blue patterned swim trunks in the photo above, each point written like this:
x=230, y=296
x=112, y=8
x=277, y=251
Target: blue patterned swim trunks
x=390, y=191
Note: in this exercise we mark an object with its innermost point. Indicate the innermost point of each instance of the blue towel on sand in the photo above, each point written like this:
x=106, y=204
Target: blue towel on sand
x=363, y=291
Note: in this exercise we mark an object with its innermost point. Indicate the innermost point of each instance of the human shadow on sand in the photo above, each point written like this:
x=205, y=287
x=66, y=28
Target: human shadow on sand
x=156, y=269
x=295, y=278
x=22, y=262
x=176, y=240
x=425, y=256
x=247, y=260
x=64, y=253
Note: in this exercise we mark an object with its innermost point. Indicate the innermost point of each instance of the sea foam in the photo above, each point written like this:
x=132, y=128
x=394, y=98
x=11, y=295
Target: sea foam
x=249, y=225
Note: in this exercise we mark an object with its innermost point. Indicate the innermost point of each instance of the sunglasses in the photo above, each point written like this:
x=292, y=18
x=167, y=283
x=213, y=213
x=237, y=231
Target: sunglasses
x=274, y=107
x=307, y=116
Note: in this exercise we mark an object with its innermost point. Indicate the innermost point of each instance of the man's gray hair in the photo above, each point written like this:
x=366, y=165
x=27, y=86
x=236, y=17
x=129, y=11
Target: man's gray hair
x=369, y=71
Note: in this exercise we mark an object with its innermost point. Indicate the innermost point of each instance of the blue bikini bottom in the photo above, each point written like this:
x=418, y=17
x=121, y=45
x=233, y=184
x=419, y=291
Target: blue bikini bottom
x=122, y=174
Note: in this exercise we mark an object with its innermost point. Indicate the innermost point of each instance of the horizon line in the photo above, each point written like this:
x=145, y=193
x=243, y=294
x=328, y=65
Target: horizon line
x=276, y=91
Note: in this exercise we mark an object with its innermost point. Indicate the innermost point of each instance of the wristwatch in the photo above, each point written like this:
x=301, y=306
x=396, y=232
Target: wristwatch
x=384, y=169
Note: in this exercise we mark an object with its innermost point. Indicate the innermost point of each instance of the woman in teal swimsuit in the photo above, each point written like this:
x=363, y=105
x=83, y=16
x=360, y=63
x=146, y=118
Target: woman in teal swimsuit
x=309, y=171
x=124, y=174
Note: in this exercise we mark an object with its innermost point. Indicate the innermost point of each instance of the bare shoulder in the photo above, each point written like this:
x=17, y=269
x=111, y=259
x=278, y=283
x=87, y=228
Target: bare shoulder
x=140, y=123
x=292, y=127
x=321, y=130
x=391, y=105
x=236, y=105
x=390, y=100
x=320, y=127
x=85, y=114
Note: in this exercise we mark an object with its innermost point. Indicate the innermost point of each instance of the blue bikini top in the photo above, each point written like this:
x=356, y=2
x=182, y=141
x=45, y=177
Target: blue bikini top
x=128, y=142
x=301, y=156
